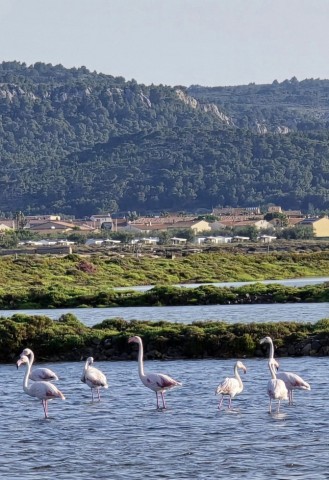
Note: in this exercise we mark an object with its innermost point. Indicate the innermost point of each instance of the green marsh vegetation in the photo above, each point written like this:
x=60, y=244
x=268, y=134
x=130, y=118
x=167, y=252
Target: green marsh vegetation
x=69, y=339
x=75, y=281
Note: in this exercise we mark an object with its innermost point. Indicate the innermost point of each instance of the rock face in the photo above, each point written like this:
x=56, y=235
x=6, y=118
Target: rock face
x=205, y=107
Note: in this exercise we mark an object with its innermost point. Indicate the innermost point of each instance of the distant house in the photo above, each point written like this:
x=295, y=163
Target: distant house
x=98, y=220
x=239, y=238
x=196, y=226
x=51, y=227
x=94, y=242
x=178, y=241
x=259, y=224
x=274, y=209
x=6, y=225
x=149, y=240
x=320, y=226
x=266, y=238
x=218, y=239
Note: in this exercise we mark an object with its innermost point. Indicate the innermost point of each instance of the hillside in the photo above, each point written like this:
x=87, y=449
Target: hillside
x=78, y=142
x=279, y=108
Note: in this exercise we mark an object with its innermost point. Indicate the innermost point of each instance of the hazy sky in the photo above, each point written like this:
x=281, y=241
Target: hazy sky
x=206, y=42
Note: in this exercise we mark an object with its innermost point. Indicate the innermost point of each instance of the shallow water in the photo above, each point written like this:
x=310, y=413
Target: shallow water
x=298, y=312
x=124, y=436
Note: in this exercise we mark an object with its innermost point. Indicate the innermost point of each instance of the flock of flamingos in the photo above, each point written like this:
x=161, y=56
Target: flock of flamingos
x=279, y=387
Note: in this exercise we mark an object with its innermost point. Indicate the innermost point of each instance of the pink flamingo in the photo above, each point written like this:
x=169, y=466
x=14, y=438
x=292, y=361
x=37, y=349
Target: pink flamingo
x=43, y=390
x=276, y=388
x=94, y=378
x=231, y=386
x=40, y=373
x=158, y=382
x=292, y=380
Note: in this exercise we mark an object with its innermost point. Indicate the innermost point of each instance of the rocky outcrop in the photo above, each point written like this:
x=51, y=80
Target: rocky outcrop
x=205, y=107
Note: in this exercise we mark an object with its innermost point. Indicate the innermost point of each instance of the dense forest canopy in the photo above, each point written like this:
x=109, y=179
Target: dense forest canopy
x=77, y=142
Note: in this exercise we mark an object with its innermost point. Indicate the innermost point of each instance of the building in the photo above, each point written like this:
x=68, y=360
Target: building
x=320, y=226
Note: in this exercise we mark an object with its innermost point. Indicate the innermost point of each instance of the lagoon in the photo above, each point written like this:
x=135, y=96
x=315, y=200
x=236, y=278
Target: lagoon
x=124, y=436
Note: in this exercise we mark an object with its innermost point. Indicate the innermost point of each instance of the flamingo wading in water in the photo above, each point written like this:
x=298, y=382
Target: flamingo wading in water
x=158, y=382
x=231, y=386
x=94, y=378
x=39, y=389
x=276, y=388
x=292, y=380
x=40, y=373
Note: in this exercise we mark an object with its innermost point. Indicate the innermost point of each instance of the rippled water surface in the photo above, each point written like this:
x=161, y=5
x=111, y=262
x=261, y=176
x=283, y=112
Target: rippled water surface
x=299, y=312
x=125, y=437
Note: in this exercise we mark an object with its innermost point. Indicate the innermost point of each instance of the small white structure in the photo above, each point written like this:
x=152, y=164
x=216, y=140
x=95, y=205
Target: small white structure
x=65, y=242
x=266, y=238
x=94, y=242
x=150, y=240
x=219, y=239
x=41, y=243
x=178, y=241
x=110, y=241
x=239, y=238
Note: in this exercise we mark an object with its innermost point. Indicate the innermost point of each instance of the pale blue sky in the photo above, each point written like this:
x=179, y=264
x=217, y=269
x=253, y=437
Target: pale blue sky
x=206, y=42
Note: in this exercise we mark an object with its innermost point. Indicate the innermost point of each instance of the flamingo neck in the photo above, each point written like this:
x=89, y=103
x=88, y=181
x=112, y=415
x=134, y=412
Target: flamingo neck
x=272, y=370
x=237, y=375
x=86, y=366
x=271, y=354
x=31, y=357
x=140, y=359
x=26, y=376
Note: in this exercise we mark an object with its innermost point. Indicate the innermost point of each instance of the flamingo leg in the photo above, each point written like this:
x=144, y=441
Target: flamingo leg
x=230, y=402
x=156, y=393
x=270, y=408
x=99, y=397
x=292, y=396
x=278, y=409
x=163, y=400
x=92, y=395
x=220, y=402
x=45, y=407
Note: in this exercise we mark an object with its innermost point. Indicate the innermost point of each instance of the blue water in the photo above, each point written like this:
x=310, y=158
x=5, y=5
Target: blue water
x=125, y=437
x=305, y=312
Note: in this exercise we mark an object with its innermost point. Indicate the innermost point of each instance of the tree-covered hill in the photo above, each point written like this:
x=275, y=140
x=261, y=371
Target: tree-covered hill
x=79, y=142
x=280, y=107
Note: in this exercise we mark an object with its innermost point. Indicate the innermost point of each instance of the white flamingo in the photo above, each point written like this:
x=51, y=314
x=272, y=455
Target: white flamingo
x=276, y=388
x=231, y=386
x=158, y=382
x=94, y=378
x=40, y=373
x=292, y=380
x=39, y=389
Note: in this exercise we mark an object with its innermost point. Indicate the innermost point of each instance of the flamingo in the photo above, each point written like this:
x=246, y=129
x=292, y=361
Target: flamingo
x=39, y=389
x=94, y=378
x=276, y=388
x=37, y=373
x=231, y=386
x=292, y=380
x=158, y=382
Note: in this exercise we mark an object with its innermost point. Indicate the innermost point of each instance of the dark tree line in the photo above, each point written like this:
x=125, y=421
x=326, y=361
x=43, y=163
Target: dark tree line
x=78, y=142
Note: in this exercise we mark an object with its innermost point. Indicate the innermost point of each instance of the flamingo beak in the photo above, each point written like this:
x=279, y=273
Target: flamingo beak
x=19, y=363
